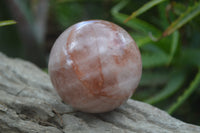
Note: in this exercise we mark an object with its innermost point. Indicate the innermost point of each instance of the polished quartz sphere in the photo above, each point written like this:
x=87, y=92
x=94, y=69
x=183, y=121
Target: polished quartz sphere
x=95, y=66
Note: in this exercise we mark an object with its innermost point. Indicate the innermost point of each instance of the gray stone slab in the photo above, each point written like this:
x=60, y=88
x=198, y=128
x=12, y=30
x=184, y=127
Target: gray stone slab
x=29, y=104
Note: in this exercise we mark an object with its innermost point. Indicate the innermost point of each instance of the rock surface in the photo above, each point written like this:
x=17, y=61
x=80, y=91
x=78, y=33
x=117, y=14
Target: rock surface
x=29, y=104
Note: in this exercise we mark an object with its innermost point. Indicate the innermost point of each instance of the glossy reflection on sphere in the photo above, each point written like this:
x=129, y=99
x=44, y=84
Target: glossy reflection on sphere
x=95, y=66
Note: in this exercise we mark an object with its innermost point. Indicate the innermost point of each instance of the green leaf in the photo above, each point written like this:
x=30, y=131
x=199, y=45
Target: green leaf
x=162, y=15
x=115, y=10
x=7, y=22
x=154, y=78
x=174, y=45
x=141, y=39
x=153, y=56
x=194, y=84
x=144, y=8
x=177, y=79
x=142, y=26
x=136, y=24
x=183, y=19
x=150, y=60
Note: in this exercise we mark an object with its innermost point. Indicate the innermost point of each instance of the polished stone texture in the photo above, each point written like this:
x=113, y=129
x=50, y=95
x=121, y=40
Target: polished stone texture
x=95, y=66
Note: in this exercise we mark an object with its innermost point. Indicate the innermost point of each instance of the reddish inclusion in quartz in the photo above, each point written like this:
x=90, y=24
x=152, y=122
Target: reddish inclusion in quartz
x=95, y=66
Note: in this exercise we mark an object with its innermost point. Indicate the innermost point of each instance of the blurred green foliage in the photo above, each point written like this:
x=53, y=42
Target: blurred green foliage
x=171, y=60
x=69, y=12
x=167, y=33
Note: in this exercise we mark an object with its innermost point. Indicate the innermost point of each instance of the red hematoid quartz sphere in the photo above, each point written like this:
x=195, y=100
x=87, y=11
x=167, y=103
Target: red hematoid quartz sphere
x=95, y=66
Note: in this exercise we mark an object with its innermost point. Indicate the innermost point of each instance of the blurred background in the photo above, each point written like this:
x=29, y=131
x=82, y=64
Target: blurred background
x=167, y=33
